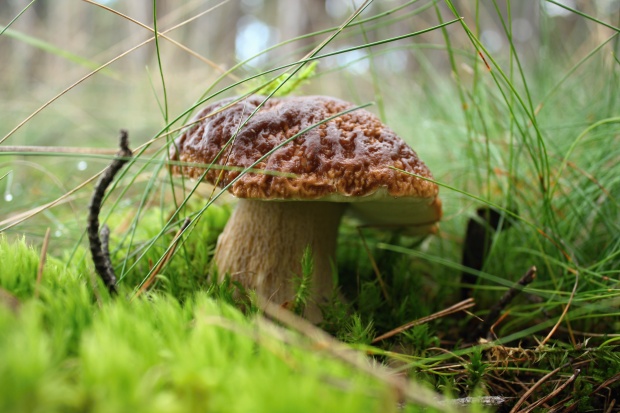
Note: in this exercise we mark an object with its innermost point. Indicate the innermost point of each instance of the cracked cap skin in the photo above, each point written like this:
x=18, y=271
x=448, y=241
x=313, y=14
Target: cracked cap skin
x=347, y=159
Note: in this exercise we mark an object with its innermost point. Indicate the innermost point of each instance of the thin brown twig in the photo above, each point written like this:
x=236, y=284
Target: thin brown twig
x=611, y=380
x=42, y=259
x=611, y=406
x=563, y=315
x=561, y=406
x=496, y=323
x=554, y=393
x=463, y=305
x=535, y=387
x=495, y=311
x=588, y=334
x=163, y=262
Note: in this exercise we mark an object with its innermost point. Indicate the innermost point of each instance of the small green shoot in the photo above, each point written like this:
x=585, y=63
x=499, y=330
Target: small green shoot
x=357, y=332
x=276, y=87
x=476, y=371
x=420, y=338
x=303, y=282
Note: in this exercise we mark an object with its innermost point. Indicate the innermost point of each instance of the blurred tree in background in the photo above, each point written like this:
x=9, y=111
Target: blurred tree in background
x=56, y=42
x=238, y=29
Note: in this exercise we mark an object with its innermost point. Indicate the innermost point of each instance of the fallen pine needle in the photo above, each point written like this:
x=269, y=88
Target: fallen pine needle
x=536, y=385
x=553, y=393
x=461, y=306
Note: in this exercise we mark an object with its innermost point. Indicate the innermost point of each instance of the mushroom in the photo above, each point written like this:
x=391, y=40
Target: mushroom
x=345, y=163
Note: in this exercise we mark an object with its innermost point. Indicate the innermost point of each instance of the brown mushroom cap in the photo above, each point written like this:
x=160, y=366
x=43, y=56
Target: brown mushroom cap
x=346, y=159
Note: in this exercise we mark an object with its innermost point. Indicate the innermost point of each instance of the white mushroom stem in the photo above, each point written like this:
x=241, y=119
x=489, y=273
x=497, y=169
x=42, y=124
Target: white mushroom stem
x=263, y=243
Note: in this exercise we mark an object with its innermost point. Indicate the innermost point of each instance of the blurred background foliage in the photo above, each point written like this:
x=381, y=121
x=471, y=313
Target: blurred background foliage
x=235, y=30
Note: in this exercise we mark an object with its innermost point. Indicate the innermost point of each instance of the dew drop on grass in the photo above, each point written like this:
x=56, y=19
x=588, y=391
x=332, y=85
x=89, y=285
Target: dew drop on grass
x=8, y=197
x=82, y=165
x=58, y=233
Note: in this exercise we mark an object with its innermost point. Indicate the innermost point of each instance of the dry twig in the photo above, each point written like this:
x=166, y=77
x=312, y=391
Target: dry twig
x=99, y=247
x=373, y=263
x=494, y=313
x=461, y=306
x=535, y=387
x=554, y=393
x=564, y=312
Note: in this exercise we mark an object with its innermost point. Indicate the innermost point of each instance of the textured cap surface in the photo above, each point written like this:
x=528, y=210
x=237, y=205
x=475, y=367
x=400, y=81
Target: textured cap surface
x=347, y=159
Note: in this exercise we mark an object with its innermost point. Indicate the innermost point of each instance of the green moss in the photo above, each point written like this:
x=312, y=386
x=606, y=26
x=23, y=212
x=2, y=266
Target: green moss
x=66, y=351
x=134, y=253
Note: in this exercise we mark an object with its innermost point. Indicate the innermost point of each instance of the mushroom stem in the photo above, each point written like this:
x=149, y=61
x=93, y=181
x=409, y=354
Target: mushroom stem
x=263, y=243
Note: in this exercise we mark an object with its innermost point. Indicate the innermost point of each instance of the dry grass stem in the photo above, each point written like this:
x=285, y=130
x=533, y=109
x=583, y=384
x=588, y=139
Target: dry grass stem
x=563, y=315
x=611, y=406
x=57, y=150
x=461, y=306
x=554, y=393
x=535, y=387
x=88, y=75
x=162, y=263
x=495, y=311
x=386, y=295
x=46, y=240
x=24, y=216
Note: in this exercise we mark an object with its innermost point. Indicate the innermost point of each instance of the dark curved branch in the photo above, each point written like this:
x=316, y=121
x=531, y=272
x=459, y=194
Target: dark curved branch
x=99, y=246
